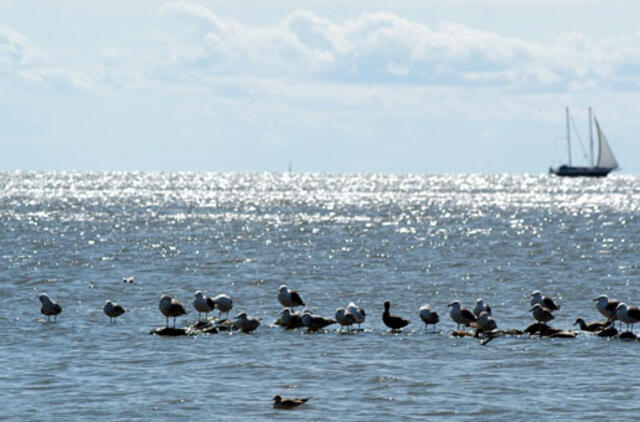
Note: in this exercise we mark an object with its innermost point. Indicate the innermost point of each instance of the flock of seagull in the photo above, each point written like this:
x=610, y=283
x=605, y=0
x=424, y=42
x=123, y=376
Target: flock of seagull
x=542, y=308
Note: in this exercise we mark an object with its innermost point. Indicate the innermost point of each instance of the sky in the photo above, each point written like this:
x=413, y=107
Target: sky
x=427, y=87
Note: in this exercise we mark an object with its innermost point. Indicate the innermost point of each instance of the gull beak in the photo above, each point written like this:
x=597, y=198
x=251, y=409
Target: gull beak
x=595, y=300
x=531, y=309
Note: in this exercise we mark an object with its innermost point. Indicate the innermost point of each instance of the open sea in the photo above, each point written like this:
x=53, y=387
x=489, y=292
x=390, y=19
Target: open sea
x=409, y=239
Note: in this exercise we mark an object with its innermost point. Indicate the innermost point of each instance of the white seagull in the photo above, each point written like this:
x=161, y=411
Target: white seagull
x=224, y=303
x=113, y=310
x=357, y=312
x=607, y=307
x=171, y=307
x=544, y=301
x=289, y=298
x=203, y=304
x=49, y=307
x=461, y=315
x=480, y=307
x=344, y=319
x=628, y=314
x=429, y=316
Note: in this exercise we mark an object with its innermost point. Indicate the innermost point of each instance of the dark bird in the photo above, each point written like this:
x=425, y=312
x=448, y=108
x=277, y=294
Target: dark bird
x=49, y=307
x=171, y=307
x=429, y=316
x=282, y=403
x=246, y=324
x=393, y=321
x=290, y=319
x=545, y=301
x=541, y=314
x=289, y=298
x=113, y=310
x=592, y=326
x=460, y=314
x=315, y=322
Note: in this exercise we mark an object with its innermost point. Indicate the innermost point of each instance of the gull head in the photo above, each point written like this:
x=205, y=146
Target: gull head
x=199, y=293
x=282, y=288
x=536, y=293
x=44, y=298
x=454, y=304
x=601, y=298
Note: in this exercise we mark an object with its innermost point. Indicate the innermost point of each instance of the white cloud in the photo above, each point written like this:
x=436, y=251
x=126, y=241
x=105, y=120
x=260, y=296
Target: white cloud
x=385, y=48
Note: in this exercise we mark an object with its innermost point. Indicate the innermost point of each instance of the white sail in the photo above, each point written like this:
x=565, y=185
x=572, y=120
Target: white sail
x=605, y=155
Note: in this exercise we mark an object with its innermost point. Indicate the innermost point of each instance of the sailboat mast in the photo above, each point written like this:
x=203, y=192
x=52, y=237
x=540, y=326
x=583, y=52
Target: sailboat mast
x=591, y=135
x=568, y=136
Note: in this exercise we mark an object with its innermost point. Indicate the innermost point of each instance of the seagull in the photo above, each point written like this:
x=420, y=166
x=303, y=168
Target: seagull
x=203, y=303
x=485, y=323
x=393, y=321
x=280, y=403
x=628, y=314
x=315, y=322
x=344, y=319
x=607, y=307
x=357, y=312
x=290, y=319
x=541, y=314
x=429, y=316
x=49, y=307
x=113, y=310
x=246, y=323
x=289, y=298
x=171, y=307
x=545, y=301
x=481, y=306
x=224, y=303
x=592, y=326
x=460, y=314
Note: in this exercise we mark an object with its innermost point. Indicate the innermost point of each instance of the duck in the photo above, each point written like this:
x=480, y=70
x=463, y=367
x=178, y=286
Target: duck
x=49, y=307
x=393, y=321
x=290, y=319
x=591, y=327
x=282, y=403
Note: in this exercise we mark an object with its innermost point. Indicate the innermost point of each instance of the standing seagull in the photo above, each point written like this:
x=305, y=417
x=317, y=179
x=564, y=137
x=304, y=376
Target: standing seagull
x=544, y=301
x=607, y=307
x=628, y=314
x=429, y=316
x=49, y=307
x=289, y=298
x=224, y=303
x=357, y=312
x=541, y=314
x=460, y=314
x=203, y=304
x=480, y=307
x=171, y=307
x=393, y=321
x=113, y=310
x=344, y=319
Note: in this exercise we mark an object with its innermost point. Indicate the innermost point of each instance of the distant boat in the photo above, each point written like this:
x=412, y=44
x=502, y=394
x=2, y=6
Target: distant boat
x=605, y=163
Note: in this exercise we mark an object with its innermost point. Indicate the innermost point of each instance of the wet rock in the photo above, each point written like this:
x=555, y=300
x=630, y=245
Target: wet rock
x=543, y=330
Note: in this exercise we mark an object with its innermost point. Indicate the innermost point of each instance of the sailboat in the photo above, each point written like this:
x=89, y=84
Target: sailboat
x=605, y=163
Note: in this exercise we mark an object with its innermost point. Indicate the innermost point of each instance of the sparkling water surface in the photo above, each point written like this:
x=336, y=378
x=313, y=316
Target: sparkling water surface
x=409, y=239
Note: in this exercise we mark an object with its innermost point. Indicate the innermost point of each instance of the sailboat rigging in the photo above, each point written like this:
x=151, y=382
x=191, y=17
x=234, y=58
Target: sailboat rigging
x=605, y=163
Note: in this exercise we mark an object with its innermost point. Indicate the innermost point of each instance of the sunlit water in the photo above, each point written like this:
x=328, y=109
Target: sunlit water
x=369, y=238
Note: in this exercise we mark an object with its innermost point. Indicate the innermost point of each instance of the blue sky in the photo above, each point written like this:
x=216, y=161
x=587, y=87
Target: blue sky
x=334, y=86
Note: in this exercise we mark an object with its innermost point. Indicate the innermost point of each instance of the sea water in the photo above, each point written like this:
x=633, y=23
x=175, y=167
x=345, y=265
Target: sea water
x=409, y=239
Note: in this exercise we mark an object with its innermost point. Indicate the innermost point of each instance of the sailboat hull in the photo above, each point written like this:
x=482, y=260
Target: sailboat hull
x=571, y=171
